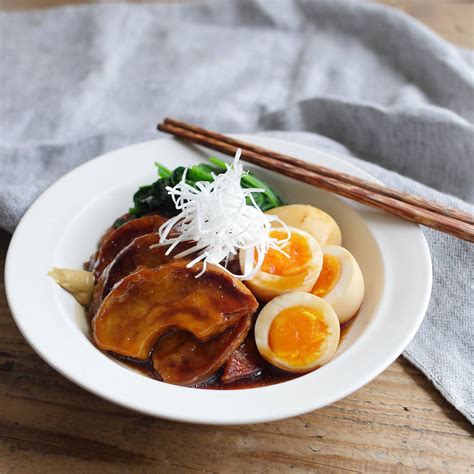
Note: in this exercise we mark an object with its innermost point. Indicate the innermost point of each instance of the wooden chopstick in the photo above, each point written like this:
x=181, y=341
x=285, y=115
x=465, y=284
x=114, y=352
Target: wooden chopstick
x=347, y=178
x=403, y=205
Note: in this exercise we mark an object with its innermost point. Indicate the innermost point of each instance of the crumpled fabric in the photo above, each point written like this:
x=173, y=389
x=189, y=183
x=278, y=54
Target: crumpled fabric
x=360, y=80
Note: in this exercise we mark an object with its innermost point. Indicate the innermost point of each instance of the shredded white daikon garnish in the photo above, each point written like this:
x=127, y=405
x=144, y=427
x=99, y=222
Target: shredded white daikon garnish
x=217, y=217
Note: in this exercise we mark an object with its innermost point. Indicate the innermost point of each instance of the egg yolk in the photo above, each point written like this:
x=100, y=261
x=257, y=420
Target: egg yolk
x=297, y=249
x=298, y=335
x=329, y=276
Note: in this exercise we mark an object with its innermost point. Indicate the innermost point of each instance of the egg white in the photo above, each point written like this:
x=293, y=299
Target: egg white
x=266, y=286
x=297, y=298
x=347, y=294
x=311, y=219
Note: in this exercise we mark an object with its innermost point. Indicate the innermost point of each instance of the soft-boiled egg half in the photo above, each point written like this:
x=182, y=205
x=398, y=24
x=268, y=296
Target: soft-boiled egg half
x=340, y=282
x=297, y=332
x=316, y=222
x=298, y=270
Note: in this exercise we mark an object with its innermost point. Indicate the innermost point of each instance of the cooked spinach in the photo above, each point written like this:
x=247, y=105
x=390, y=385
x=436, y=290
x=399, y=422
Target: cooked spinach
x=155, y=198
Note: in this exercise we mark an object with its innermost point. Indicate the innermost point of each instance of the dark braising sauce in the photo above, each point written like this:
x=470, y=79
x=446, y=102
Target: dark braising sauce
x=245, y=368
x=267, y=375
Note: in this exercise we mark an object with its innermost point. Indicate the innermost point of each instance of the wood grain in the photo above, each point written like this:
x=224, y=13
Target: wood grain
x=397, y=423
x=452, y=19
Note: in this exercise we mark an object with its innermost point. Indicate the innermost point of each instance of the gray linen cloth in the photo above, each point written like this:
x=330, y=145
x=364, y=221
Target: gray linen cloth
x=361, y=80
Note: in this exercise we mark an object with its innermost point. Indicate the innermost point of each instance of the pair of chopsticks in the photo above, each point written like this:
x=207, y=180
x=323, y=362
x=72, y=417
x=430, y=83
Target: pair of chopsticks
x=407, y=206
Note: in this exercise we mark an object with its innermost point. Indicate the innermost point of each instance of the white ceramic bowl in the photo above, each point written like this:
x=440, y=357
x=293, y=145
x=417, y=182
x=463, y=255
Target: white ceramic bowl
x=62, y=229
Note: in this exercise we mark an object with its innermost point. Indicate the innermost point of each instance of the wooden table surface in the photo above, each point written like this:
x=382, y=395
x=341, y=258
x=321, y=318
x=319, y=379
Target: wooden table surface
x=397, y=423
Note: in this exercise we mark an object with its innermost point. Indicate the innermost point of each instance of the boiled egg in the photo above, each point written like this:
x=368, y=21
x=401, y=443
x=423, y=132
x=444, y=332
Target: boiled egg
x=298, y=270
x=297, y=332
x=340, y=282
x=316, y=222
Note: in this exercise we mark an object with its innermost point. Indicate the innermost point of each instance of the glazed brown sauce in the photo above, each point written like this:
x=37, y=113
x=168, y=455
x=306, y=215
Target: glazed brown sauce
x=269, y=375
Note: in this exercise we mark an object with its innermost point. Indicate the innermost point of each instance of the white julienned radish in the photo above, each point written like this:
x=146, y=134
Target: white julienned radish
x=218, y=218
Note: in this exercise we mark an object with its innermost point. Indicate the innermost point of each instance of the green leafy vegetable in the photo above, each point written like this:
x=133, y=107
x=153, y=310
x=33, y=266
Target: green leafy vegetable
x=154, y=197
x=163, y=171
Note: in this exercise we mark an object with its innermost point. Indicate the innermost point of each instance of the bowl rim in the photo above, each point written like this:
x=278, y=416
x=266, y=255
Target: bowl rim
x=359, y=364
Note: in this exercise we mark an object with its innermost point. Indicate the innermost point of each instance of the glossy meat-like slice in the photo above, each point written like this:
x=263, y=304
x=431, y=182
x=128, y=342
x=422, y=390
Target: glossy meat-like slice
x=119, y=238
x=181, y=359
x=89, y=265
x=151, y=302
x=245, y=361
x=137, y=254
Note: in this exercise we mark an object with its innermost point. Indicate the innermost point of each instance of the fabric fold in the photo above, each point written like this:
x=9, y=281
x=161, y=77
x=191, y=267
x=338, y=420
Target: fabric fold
x=364, y=81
